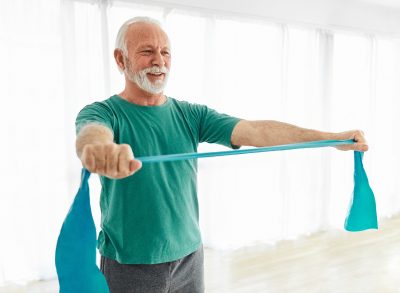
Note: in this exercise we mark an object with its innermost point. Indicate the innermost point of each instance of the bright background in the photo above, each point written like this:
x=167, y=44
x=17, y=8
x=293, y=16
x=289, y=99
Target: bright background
x=329, y=65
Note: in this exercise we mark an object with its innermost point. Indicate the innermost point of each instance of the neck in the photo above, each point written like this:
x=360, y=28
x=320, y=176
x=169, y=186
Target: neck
x=133, y=94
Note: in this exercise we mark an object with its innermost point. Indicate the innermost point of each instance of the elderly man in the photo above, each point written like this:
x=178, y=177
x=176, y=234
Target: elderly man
x=150, y=239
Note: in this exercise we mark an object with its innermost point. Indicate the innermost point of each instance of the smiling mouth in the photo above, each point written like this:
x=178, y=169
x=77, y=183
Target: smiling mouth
x=156, y=74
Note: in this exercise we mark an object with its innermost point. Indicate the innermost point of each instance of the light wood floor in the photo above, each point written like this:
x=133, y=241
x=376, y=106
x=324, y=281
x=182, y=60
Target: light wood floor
x=364, y=262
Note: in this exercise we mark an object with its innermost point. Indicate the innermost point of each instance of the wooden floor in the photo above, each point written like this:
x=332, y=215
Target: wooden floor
x=364, y=262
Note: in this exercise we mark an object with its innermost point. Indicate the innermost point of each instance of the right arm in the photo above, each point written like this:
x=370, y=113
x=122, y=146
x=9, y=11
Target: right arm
x=99, y=154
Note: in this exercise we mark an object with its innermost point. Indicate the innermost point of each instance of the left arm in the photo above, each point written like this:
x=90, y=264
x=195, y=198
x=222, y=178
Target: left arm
x=261, y=133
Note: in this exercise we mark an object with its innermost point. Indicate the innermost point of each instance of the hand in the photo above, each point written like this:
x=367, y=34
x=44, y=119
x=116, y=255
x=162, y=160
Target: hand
x=111, y=160
x=360, y=144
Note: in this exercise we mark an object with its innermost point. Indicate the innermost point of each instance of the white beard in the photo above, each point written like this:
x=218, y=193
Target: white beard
x=140, y=78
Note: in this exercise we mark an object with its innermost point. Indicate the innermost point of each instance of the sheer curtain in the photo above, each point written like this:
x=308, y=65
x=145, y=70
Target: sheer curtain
x=34, y=186
x=58, y=58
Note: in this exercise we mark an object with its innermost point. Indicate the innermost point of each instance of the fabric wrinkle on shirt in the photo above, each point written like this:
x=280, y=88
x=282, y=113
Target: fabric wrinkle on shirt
x=153, y=216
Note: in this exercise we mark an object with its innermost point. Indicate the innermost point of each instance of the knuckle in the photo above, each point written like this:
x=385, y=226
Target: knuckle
x=125, y=148
x=87, y=165
x=87, y=149
x=122, y=169
x=111, y=162
x=99, y=169
x=114, y=174
x=100, y=165
x=109, y=147
x=86, y=162
x=95, y=150
x=123, y=174
x=100, y=172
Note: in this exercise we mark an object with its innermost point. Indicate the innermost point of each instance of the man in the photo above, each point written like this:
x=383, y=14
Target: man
x=150, y=239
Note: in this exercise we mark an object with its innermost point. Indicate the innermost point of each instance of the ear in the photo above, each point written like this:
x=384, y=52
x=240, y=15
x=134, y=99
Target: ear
x=119, y=59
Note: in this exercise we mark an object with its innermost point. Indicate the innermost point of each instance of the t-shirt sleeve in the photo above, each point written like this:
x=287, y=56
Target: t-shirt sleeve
x=216, y=127
x=98, y=113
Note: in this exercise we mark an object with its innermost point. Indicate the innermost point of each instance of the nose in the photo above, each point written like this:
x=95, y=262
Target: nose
x=158, y=59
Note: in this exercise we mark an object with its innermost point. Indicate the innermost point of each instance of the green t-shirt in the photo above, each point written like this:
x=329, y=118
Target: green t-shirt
x=153, y=216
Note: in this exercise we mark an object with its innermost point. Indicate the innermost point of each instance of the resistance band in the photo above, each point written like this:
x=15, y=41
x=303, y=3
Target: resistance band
x=76, y=246
x=303, y=145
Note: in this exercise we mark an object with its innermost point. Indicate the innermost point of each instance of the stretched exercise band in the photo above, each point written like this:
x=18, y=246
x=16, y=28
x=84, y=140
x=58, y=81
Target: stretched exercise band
x=187, y=156
x=76, y=246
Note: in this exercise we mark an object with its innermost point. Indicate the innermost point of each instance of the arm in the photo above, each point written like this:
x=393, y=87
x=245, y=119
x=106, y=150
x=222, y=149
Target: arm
x=99, y=154
x=269, y=133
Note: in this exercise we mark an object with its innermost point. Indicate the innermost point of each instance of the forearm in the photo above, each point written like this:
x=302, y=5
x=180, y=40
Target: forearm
x=268, y=133
x=93, y=134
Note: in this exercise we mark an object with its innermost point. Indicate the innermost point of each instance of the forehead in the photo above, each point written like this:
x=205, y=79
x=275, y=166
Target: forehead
x=142, y=34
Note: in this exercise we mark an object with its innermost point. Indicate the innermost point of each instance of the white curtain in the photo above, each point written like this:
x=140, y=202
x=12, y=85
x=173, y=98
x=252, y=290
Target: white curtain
x=56, y=57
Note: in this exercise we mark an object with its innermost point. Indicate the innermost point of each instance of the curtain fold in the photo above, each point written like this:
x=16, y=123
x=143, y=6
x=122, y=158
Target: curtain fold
x=58, y=58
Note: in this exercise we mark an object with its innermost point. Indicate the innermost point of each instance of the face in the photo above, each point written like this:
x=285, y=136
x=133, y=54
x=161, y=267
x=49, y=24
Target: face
x=148, y=57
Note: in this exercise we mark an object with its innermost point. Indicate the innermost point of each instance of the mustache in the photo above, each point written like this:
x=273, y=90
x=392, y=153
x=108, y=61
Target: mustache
x=155, y=69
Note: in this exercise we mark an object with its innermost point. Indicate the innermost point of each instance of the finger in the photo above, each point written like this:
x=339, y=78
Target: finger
x=361, y=143
x=361, y=147
x=87, y=158
x=100, y=158
x=359, y=136
x=125, y=156
x=134, y=166
x=111, y=161
x=91, y=163
x=123, y=165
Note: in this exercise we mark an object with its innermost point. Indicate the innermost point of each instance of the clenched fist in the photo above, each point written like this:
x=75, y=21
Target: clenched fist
x=110, y=159
x=360, y=143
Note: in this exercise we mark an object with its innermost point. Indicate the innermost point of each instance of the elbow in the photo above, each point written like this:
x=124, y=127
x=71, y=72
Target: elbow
x=247, y=133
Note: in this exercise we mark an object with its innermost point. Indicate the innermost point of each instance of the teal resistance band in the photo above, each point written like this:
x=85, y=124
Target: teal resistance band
x=303, y=145
x=76, y=246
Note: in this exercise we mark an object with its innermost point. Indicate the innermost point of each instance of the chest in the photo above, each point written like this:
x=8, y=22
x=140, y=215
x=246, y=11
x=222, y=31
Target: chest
x=156, y=134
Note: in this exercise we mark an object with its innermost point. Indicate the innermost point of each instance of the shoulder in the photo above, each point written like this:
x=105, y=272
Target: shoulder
x=101, y=105
x=105, y=109
x=189, y=107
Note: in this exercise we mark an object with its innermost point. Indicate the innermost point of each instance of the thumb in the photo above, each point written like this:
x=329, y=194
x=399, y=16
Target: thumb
x=134, y=165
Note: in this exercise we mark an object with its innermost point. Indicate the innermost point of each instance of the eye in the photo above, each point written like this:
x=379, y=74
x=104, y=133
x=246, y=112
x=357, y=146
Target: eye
x=146, y=52
x=165, y=53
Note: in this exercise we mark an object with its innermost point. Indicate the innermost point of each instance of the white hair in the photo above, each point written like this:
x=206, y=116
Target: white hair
x=120, y=42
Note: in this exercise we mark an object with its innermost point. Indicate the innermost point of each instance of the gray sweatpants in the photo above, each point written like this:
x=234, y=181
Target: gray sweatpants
x=185, y=275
